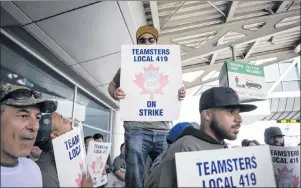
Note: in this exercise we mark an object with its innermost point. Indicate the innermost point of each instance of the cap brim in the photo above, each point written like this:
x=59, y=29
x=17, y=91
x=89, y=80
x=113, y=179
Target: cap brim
x=242, y=107
x=46, y=106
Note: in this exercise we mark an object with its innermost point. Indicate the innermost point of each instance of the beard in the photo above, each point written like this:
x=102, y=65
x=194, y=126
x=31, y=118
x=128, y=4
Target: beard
x=221, y=132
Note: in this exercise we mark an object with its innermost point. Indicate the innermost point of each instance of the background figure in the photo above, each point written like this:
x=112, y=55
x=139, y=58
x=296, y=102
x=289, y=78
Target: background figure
x=273, y=136
x=46, y=162
x=246, y=143
x=98, y=137
x=87, y=139
x=109, y=165
x=119, y=164
x=35, y=153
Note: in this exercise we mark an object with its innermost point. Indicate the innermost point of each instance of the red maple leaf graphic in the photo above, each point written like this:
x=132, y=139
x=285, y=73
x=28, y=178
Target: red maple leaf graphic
x=287, y=173
x=94, y=165
x=151, y=81
x=78, y=180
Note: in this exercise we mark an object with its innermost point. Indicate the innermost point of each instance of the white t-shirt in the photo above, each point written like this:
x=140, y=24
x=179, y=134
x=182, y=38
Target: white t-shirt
x=26, y=174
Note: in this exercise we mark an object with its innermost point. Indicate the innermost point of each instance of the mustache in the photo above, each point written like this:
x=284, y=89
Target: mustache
x=236, y=126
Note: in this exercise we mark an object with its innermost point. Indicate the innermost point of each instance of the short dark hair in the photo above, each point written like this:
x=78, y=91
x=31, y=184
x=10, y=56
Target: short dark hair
x=121, y=146
x=87, y=137
x=97, y=136
x=246, y=142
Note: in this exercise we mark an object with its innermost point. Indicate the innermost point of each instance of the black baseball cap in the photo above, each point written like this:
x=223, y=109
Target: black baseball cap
x=222, y=97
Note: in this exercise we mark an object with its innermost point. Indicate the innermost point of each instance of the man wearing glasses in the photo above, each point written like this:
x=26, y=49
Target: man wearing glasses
x=21, y=110
x=142, y=139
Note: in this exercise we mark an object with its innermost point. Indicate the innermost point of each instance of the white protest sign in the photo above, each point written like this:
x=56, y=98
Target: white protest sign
x=115, y=182
x=150, y=77
x=97, y=156
x=286, y=163
x=69, y=156
x=239, y=167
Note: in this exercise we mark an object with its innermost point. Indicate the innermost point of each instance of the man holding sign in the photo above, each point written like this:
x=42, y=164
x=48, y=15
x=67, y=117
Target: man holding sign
x=151, y=136
x=220, y=119
x=47, y=163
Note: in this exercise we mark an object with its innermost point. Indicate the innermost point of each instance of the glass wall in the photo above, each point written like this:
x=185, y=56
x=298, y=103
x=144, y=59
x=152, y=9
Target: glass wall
x=94, y=116
x=291, y=82
x=18, y=67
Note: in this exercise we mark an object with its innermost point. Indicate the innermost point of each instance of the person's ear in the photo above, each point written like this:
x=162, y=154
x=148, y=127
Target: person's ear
x=207, y=115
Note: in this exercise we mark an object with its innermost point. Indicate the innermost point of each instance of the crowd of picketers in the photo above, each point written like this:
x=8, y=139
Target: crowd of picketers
x=28, y=161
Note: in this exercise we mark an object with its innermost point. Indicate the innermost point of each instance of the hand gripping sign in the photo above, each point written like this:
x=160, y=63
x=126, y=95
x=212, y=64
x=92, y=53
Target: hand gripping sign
x=239, y=167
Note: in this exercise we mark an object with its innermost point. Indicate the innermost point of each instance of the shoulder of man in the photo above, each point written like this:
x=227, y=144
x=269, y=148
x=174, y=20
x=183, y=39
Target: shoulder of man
x=167, y=176
x=33, y=169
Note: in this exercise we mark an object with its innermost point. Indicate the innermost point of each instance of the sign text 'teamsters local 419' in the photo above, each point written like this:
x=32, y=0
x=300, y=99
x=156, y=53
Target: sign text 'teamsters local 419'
x=151, y=77
x=286, y=163
x=235, y=167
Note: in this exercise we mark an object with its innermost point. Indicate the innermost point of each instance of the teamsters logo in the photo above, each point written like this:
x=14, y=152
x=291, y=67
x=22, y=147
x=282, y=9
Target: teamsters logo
x=151, y=81
x=285, y=178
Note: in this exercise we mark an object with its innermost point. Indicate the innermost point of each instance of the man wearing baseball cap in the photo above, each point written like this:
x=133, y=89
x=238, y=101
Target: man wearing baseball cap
x=21, y=110
x=273, y=136
x=151, y=136
x=220, y=110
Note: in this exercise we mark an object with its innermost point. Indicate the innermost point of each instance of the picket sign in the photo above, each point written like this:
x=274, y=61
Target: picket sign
x=97, y=156
x=70, y=158
x=235, y=167
x=286, y=163
x=151, y=76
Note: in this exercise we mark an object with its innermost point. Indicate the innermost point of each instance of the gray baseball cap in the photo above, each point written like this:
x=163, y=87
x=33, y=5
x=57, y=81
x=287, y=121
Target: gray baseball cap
x=272, y=132
x=14, y=95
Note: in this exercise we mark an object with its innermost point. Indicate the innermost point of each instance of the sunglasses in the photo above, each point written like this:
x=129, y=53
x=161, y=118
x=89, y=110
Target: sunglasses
x=21, y=94
x=144, y=40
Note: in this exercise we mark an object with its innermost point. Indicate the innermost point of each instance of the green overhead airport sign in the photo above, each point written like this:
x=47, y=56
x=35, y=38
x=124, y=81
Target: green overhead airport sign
x=246, y=79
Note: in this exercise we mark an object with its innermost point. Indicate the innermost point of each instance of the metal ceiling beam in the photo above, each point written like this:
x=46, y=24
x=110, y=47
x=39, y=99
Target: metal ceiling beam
x=267, y=30
x=284, y=6
x=280, y=54
x=232, y=9
x=155, y=14
x=235, y=25
x=250, y=48
x=168, y=18
x=216, y=8
x=293, y=64
x=214, y=55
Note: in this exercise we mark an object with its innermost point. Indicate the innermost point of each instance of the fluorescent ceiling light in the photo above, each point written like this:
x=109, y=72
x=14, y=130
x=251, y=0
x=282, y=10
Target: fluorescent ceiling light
x=262, y=61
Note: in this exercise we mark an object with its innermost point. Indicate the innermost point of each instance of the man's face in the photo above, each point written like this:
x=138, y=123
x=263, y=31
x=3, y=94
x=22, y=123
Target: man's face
x=146, y=39
x=276, y=141
x=60, y=125
x=225, y=123
x=98, y=140
x=19, y=128
x=123, y=149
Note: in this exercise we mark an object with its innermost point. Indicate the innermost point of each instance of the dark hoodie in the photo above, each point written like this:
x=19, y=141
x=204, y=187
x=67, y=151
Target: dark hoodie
x=191, y=139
